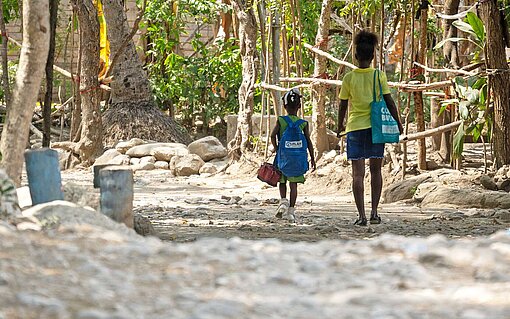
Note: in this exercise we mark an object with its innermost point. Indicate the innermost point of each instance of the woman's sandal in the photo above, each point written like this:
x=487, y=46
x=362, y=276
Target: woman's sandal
x=360, y=222
x=375, y=219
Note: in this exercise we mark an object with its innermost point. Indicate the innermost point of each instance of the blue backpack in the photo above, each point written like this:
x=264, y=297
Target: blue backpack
x=292, y=156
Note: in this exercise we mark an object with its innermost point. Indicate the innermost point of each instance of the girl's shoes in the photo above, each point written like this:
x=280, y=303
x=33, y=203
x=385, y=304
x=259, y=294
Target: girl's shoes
x=360, y=222
x=375, y=218
x=291, y=215
x=282, y=208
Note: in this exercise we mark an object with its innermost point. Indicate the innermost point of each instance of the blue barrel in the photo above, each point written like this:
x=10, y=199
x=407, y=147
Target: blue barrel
x=43, y=173
x=116, y=187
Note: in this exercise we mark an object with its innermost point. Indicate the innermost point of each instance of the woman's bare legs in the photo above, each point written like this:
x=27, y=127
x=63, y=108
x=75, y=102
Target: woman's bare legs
x=375, y=185
x=358, y=188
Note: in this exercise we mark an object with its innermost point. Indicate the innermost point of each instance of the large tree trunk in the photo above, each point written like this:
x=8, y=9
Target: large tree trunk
x=36, y=38
x=450, y=49
x=319, y=136
x=49, y=75
x=499, y=77
x=90, y=144
x=133, y=111
x=247, y=43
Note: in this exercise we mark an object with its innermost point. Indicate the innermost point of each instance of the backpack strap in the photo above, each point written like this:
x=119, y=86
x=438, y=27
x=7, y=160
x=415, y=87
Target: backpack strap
x=292, y=124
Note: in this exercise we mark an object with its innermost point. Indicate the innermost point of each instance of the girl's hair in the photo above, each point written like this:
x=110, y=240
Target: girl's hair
x=292, y=99
x=365, y=44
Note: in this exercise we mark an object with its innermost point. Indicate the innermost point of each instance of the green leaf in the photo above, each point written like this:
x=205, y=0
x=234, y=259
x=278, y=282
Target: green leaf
x=479, y=83
x=458, y=142
x=477, y=25
x=441, y=43
x=465, y=27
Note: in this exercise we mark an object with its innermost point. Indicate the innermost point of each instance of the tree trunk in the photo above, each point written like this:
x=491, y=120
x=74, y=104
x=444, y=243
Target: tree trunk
x=498, y=77
x=49, y=75
x=275, y=44
x=36, y=36
x=133, y=111
x=90, y=144
x=319, y=136
x=5, y=66
x=248, y=45
x=418, y=96
x=450, y=49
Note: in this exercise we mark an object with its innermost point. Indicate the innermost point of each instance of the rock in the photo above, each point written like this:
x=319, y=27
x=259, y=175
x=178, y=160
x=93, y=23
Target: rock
x=143, y=167
x=121, y=159
x=165, y=153
x=208, y=148
x=59, y=213
x=488, y=182
x=329, y=157
x=134, y=161
x=107, y=156
x=208, y=168
x=404, y=189
x=186, y=165
x=147, y=159
x=143, y=225
x=148, y=149
x=423, y=189
x=504, y=185
x=503, y=170
x=124, y=146
x=432, y=165
x=503, y=215
x=161, y=165
x=452, y=197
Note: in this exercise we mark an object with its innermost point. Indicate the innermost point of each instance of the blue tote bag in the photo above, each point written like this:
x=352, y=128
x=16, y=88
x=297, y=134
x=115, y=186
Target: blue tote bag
x=384, y=126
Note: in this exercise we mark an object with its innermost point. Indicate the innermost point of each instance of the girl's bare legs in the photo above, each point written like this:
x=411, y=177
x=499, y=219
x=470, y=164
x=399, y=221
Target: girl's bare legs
x=376, y=185
x=293, y=193
x=283, y=190
x=358, y=176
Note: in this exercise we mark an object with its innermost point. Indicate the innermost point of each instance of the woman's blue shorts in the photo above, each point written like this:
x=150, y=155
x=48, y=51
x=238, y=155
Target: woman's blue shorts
x=360, y=146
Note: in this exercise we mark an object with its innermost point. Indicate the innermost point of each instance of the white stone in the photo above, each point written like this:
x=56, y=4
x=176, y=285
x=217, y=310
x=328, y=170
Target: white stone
x=165, y=153
x=107, y=156
x=208, y=168
x=208, y=148
x=161, y=165
x=121, y=159
x=186, y=165
x=124, y=146
x=147, y=159
x=148, y=149
x=134, y=161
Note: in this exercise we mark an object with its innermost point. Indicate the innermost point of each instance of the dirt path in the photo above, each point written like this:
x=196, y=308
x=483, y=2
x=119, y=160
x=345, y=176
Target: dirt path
x=225, y=206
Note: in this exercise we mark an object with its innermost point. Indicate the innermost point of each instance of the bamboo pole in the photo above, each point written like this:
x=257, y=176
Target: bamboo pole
x=329, y=56
x=431, y=132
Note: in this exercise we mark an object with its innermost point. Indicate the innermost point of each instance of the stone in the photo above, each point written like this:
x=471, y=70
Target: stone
x=161, y=165
x=208, y=148
x=107, y=156
x=208, y=168
x=143, y=167
x=134, y=161
x=165, y=153
x=9, y=205
x=124, y=146
x=503, y=185
x=329, y=157
x=148, y=149
x=404, y=189
x=503, y=215
x=453, y=197
x=143, y=225
x=147, y=159
x=488, y=182
x=423, y=189
x=186, y=165
x=121, y=159
x=81, y=195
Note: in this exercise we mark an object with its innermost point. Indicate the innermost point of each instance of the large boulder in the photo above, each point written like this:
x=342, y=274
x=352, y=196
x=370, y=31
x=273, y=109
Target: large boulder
x=186, y=165
x=149, y=149
x=452, y=197
x=208, y=148
x=404, y=189
x=9, y=206
x=124, y=146
x=107, y=156
x=165, y=153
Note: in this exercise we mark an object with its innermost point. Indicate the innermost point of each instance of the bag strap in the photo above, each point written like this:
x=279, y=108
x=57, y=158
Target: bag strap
x=376, y=72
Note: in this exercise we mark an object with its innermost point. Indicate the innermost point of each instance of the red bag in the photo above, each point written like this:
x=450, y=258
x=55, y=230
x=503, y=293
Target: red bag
x=269, y=173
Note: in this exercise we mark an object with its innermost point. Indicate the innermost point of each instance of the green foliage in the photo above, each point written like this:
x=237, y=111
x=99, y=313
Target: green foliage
x=11, y=10
x=203, y=84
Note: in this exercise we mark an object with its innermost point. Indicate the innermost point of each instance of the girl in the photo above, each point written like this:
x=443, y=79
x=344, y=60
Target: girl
x=292, y=103
x=357, y=87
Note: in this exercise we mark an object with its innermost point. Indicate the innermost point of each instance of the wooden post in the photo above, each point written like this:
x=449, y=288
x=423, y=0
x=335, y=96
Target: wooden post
x=43, y=172
x=436, y=120
x=116, y=185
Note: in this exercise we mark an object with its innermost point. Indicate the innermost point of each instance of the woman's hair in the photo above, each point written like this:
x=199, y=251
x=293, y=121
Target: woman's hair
x=292, y=99
x=365, y=43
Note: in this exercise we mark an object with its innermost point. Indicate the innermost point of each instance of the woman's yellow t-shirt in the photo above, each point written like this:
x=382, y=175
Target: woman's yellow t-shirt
x=357, y=86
